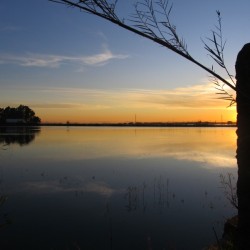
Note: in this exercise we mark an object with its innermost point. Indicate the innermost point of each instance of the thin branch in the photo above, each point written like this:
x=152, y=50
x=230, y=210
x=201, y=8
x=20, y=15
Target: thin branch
x=216, y=52
x=106, y=10
x=230, y=189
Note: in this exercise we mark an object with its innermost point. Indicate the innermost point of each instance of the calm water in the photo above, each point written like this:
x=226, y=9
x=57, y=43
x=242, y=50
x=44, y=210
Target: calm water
x=114, y=188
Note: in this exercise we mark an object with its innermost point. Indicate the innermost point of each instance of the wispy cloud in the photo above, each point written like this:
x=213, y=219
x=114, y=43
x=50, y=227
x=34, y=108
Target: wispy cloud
x=82, y=106
x=190, y=97
x=56, y=105
x=105, y=105
x=55, y=61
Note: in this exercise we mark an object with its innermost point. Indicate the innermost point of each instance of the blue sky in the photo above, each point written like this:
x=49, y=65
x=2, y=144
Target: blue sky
x=67, y=64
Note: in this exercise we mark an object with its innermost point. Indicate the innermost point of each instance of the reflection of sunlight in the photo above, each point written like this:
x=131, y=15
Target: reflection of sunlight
x=100, y=188
x=206, y=159
x=53, y=186
x=42, y=187
x=213, y=147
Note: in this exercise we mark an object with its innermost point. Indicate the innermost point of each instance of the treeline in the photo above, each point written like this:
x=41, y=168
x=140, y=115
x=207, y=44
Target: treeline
x=19, y=115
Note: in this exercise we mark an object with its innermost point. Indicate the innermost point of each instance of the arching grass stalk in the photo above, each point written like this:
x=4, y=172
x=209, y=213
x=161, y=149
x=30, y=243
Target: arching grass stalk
x=152, y=21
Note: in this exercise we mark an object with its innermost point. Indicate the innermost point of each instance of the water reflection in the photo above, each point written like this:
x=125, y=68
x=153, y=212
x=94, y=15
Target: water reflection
x=110, y=188
x=4, y=218
x=18, y=135
x=190, y=144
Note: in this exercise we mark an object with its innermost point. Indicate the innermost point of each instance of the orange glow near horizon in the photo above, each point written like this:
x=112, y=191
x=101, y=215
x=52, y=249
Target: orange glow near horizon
x=140, y=115
x=186, y=104
x=78, y=105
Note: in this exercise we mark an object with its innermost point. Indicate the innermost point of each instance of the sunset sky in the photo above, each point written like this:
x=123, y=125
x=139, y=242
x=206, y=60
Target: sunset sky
x=70, y=66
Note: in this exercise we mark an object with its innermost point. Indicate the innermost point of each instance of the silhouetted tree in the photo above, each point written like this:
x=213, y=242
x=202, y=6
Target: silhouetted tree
x=23, y=114
x=152, y=21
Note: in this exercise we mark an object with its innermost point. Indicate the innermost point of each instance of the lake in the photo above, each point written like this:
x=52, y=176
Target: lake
x=114, y=187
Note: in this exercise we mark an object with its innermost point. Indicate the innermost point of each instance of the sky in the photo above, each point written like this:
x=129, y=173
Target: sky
x=70, y=66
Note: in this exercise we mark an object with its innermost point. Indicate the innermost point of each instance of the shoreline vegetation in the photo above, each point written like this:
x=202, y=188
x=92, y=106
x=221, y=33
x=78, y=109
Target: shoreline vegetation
x=129, y=124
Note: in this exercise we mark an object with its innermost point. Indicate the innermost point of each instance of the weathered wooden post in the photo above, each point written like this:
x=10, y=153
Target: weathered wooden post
x=243, y=145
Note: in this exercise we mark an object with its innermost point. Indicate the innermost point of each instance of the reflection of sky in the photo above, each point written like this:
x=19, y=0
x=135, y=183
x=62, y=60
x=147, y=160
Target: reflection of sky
x=65, y=186
x=213, y=147
x=149, y=182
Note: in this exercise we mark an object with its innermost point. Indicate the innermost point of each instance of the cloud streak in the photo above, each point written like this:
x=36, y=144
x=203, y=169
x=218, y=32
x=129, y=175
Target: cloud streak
x=56, y=61
x=52, y=104
x=191, y=97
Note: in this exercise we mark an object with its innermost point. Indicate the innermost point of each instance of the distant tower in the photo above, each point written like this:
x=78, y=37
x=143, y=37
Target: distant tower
x=135, y=118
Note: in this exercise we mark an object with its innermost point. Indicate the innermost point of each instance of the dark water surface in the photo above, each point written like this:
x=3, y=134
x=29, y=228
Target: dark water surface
x=114, y=188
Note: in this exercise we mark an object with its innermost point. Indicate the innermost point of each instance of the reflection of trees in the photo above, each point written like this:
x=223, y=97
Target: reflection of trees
x=156, y=194
x=4, y=220
x=229, y=188
x=159, y=194
x=132, y=198
x=18, y=135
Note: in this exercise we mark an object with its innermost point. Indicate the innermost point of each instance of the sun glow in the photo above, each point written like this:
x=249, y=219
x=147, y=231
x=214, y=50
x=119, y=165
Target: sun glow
x=189, y=104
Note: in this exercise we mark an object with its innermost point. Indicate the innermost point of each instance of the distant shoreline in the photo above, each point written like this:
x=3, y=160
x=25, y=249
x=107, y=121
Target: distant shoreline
x=137, y=124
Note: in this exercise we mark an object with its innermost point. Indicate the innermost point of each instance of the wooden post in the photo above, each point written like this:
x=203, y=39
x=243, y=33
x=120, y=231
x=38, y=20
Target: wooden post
x=243, y=145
